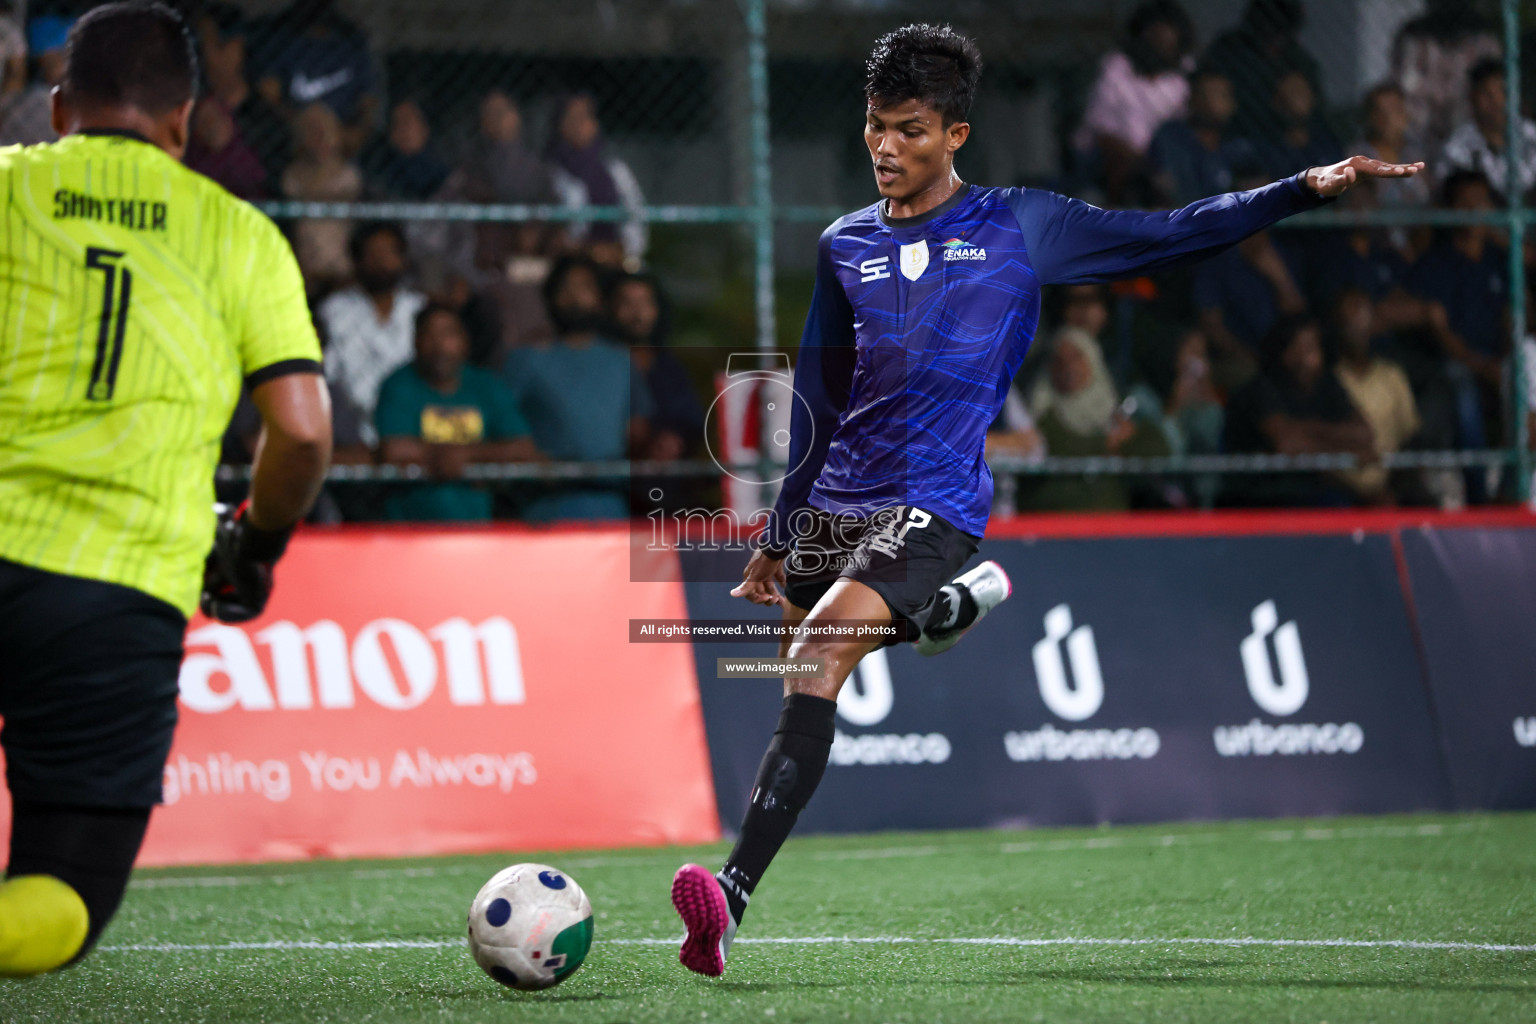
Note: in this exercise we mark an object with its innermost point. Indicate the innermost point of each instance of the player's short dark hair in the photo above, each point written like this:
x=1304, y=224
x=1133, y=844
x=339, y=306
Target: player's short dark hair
x=933, y=64
x=1488, y=67
x=133, y=54
x=366, y=230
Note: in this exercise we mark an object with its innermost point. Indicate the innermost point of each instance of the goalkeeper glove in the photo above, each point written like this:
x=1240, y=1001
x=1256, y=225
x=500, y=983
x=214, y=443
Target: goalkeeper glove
x=237, y=580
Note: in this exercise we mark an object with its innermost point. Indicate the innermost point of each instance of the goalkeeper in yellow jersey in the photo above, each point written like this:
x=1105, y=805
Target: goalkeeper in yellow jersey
x=136, y=298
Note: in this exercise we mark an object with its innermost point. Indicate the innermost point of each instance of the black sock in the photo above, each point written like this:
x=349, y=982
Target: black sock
x=789, y=774
x=91, y=849
x=953, y=608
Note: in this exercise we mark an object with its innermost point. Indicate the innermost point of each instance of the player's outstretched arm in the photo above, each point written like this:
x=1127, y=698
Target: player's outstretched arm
x=1072, y=242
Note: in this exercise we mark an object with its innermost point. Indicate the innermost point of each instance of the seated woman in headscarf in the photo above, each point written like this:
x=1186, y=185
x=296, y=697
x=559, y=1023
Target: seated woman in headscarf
x=1079, y=413
x=586, y=174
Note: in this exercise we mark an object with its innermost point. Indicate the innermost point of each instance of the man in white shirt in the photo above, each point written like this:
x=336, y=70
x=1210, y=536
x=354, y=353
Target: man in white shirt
x=369, y=328
x=1478, y=145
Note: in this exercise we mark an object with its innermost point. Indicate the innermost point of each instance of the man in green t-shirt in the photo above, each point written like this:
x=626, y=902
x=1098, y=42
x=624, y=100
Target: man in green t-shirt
x=442, y=414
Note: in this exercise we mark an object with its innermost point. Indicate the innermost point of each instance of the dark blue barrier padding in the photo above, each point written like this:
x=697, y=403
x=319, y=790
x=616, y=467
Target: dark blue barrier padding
x=1475, y=591
x=1326, y=714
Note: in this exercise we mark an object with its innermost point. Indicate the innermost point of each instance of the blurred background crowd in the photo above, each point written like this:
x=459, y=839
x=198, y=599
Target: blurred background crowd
x=585, y=339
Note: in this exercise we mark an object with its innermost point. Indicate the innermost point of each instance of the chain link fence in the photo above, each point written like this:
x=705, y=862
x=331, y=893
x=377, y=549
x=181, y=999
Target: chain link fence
x=693, y=150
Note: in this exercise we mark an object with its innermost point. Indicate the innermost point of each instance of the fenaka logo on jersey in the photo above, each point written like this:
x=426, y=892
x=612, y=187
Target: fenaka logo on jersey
x=956, y=249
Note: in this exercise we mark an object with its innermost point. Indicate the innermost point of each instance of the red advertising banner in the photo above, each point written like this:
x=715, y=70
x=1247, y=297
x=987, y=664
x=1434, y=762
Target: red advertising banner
x=420, y=692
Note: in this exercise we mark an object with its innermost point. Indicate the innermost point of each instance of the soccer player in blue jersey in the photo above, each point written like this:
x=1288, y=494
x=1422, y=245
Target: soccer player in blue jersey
x=924, y=306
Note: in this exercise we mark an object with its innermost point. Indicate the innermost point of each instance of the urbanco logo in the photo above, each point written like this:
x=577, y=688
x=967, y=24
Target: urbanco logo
x=866, y=699
x=482, y=664
x=1074, y=696
x=1280, y=697
x=1286, y=696
x=1079, y=698
x=1525, y=732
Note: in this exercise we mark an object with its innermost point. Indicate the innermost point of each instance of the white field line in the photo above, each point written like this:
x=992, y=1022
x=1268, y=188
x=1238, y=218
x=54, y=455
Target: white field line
x=840, y=940
x=1041, y=846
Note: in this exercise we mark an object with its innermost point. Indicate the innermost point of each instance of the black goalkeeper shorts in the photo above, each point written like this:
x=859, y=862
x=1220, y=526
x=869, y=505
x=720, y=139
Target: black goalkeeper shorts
x=88, y=676
x=904, y=554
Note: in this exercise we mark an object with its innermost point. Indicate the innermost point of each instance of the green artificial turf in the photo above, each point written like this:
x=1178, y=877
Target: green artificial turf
x=1461, y=880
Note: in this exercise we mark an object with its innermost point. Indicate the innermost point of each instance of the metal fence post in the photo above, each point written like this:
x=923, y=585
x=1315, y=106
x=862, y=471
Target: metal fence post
x=762, y=226
x=1513, y=157
x=762, y=177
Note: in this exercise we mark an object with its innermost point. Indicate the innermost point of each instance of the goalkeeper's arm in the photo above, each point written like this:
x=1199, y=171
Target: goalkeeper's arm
x=292, y=456
x=293, y=452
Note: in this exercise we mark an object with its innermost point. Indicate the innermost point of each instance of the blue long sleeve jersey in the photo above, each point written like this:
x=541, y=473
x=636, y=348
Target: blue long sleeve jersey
x=918, y=326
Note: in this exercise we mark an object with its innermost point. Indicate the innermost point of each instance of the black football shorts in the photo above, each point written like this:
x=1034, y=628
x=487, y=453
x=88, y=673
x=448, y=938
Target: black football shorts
x=904, y=554
x=88, y=676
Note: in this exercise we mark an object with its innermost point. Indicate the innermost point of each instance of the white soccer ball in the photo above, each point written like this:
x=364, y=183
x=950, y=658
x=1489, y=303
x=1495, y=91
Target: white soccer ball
x=530, y=927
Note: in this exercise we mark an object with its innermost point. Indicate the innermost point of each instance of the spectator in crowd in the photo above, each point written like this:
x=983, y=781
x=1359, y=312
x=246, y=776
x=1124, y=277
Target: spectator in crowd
x=1479, y=144
x=1078, y=413
x=1414, y=331
x=404, y=164
x=321, y=173
x=319, y=56
x=676, y=423
x=579, y=393
x=1181, y=398
x=586, y=174
x=1012, y=435
x=1387, y=138
x=222, y=35
x=1255, y=55
x=675, y=429
x=1467, y=273
x=1374, y=260
x=1193, y=157
x=1301, y=137
x=1140, y=86
x=440, y=413
x=1295, y=406
x=27, y=117
x=1431, y=58
x=1238, y=296
x=500, y=166
x=371, y=326
x=1014, y=432
x=217, y=150
x=13, y=54
x=1379, y=389
x=1178, y=396
x=504, y=264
